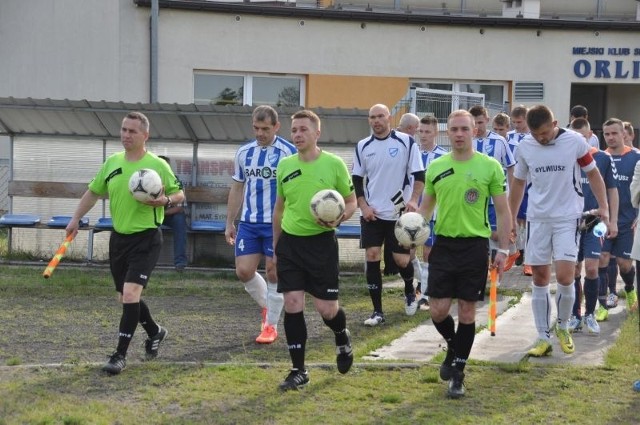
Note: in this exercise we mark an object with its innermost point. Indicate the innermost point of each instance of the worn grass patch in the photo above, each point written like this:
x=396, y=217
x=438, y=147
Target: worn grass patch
x=210, y=371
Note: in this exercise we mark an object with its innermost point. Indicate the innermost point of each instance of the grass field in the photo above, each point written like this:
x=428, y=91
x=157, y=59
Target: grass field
x=56, y=334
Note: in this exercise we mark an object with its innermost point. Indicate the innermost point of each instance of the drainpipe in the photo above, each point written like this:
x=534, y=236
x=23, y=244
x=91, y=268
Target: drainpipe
x=153, y=51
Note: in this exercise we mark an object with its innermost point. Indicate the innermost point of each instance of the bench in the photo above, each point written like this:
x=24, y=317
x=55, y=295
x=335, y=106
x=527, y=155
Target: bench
x=194, y=194
x=71, y=190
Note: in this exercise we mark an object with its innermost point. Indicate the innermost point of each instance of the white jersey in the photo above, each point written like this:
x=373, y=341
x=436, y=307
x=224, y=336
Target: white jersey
x=387, y=165
x=495, y=146
x=594, y=141
x=255, y=166
x=553, y=171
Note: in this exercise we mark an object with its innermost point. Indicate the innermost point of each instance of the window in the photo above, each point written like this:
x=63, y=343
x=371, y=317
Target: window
x=494, y=92
x=229, y=89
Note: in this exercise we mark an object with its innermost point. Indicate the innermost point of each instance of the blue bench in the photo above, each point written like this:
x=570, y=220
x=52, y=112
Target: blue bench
x=348, y=231
x=62, y=221
x=19, y=220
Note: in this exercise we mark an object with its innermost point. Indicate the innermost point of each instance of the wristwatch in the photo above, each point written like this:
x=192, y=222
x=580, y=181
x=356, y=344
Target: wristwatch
x=169, y=204
x=504, y=251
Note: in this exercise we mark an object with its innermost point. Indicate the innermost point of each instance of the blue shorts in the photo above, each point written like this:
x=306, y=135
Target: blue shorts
x=432, y=235
x=254, y=238
x=621, y=245
x=590, y=246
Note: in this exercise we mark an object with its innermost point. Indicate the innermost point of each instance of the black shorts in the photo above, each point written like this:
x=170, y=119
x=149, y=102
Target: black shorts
x=377, y=232
x=133, y=257
x=458, y=268
x=308, y=263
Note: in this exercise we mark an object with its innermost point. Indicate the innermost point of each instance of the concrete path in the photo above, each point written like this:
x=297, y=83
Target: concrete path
x=515, y=333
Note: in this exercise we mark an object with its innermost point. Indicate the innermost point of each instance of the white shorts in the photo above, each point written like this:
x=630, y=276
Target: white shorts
x=552, y=241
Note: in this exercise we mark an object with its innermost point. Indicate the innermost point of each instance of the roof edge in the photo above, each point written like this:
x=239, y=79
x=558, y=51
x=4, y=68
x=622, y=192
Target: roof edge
x=387, y=17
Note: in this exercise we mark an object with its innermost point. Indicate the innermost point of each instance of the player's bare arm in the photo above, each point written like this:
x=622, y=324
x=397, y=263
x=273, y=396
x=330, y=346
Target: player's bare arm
x=614, y=202
x=516, y=193
x=87, y=202
x=278, y=209
x=418, y=188
x=428, y=206
x=600, y=192
x=505, y=227
x=234, y=202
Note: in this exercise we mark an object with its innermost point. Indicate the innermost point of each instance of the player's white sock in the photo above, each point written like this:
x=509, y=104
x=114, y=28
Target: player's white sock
x=417, y=270
x=424, y=279
x=275, y=303
x=521, y=240
x=257, y=288
x=565, y=297
x=541, y=306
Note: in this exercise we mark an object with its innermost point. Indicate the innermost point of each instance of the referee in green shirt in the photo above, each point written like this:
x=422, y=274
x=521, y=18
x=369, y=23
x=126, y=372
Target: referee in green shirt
x=135, y=243
x=460, y=184
x=306, y=251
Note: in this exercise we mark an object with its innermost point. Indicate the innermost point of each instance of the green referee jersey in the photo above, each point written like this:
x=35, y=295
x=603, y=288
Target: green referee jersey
x=462, y=190
x=298, y=181
x=130, y=216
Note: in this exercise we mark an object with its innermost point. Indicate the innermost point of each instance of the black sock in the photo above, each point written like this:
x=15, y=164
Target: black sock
x=628, y=278
x=604, y=285
x=146, y=320
x=339, y=326
x=612, y=272
x=128, y=324
x=464, y=341
x=447, y=328
x=374, y=283
x=576, y=304
x=407, y=275
x=295, y=330
x=590, y=295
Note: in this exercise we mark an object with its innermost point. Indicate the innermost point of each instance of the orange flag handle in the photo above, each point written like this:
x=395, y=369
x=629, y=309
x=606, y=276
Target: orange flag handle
x=493, y=301
x=57, y=257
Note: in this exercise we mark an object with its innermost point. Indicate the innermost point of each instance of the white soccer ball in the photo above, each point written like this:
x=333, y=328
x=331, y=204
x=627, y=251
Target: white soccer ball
x=412, y=230
x=145, y=184
x=327, y=205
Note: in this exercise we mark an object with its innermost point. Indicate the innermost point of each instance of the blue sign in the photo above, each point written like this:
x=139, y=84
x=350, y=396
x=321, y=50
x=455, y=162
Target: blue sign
x=614, y=68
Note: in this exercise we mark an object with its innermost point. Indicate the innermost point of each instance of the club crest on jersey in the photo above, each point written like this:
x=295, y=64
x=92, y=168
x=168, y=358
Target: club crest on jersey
x=489, y=148
x=393, y=152
x=471, y=196
x=273, y=158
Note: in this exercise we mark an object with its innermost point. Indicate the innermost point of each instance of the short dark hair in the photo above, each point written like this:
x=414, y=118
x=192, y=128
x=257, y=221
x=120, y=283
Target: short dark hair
x=265, y=113
x=580, y=123
x=538, y=116
x=579, y=111
x=613, y=121
x=305, y=113
x=429, y=120
x=519, y=111
x=502, y=119
x=144, y=121
x=479, y=111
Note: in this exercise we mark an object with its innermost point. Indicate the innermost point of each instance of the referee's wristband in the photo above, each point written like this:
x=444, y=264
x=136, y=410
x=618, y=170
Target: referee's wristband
x=504, y=251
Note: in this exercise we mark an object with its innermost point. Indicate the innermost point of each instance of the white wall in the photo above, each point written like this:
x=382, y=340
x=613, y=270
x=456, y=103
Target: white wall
x=88, y=49
x=98, y=49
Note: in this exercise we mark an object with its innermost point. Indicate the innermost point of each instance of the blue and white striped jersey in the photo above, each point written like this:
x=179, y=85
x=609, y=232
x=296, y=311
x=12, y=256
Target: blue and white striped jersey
x=513, y=140
x=495, y=146
x=428, y=156
x=255, y=166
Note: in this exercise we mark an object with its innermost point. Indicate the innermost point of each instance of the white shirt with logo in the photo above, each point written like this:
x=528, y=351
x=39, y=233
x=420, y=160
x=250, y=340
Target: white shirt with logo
x=553, y=171
x=387, y=165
